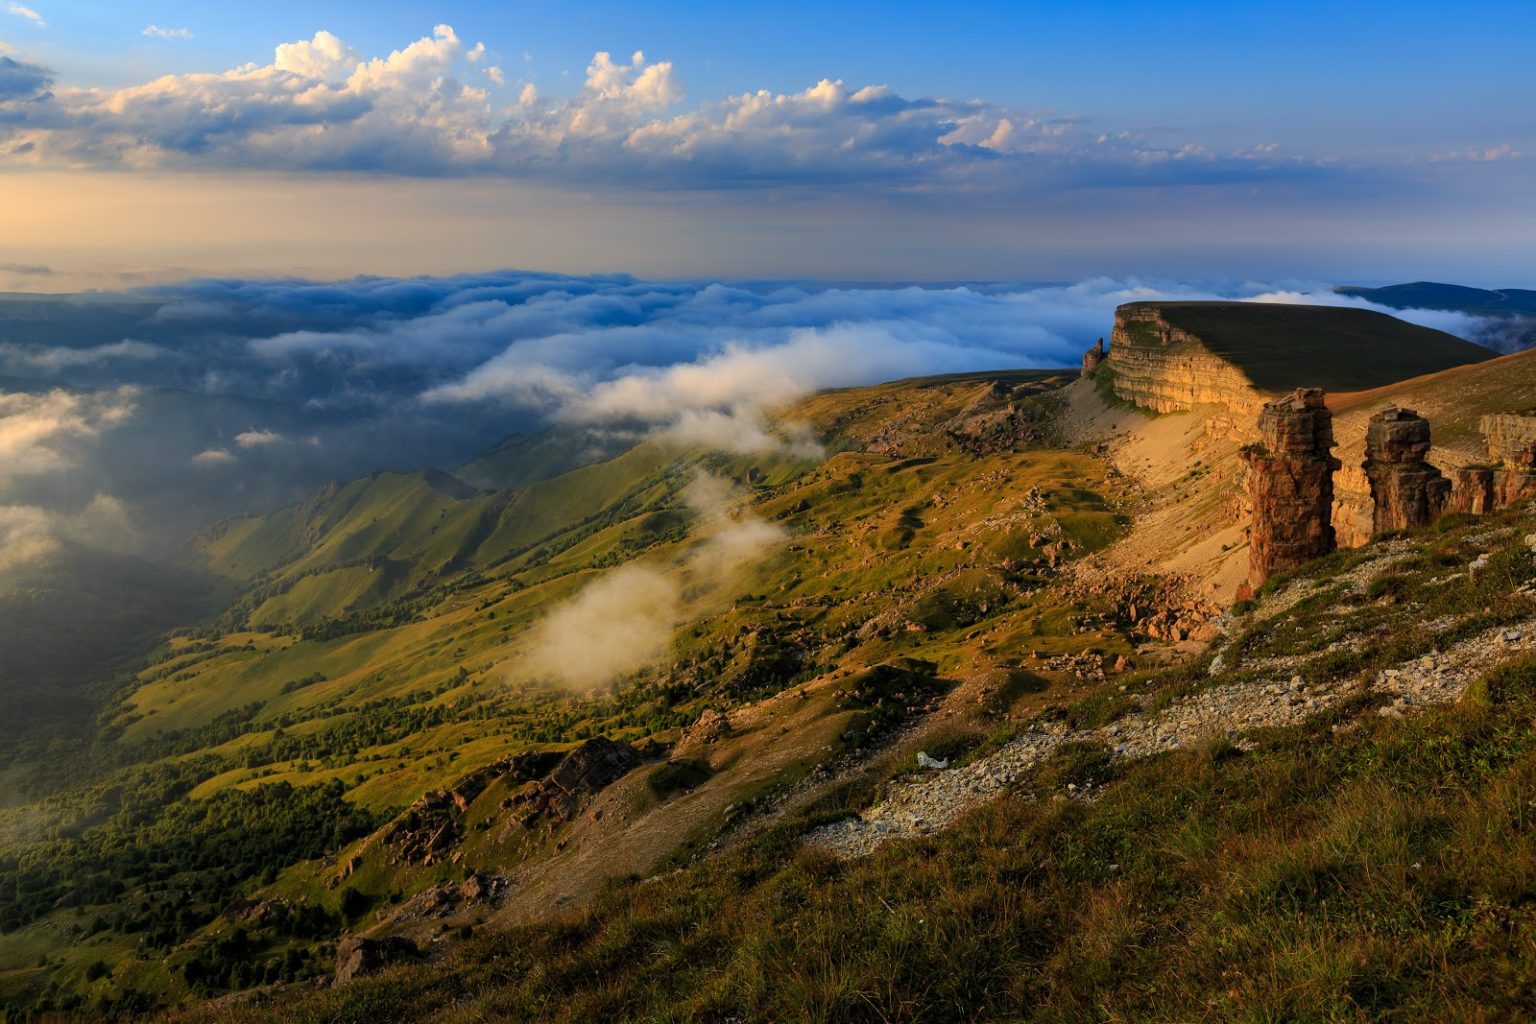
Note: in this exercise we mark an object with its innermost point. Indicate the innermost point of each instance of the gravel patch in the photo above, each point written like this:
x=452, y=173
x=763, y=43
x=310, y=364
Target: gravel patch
x=928, y=803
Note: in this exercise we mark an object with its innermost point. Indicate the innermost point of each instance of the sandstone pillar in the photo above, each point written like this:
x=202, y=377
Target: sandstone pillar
x=1406, y=490
x=1290, y=478
x=1092, y=358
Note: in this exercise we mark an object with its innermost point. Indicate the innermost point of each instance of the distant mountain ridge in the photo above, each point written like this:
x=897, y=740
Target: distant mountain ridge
x=1452, y=297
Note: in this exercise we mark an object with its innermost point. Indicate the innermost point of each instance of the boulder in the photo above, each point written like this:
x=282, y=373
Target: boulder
x=357, y=956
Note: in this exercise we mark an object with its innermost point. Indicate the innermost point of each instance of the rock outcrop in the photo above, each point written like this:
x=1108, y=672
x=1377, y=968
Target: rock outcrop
x=1406, y=491
x=594, y=765
x=1511, y=440
x=1472, y=490
x=431, y=829
x=1092, y=358
x=1162, y=367
x=1290, y=479
x=356, y=956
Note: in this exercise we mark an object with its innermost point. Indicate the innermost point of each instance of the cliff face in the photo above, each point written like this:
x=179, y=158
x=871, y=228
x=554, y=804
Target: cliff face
x=1165, y=368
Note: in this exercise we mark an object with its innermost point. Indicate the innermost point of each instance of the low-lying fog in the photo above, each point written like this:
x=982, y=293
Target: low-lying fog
x=129, y=419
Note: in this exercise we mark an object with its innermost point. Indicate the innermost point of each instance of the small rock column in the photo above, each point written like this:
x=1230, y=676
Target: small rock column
x=1290, y=479
x=1092, y=358
x=1406, y=490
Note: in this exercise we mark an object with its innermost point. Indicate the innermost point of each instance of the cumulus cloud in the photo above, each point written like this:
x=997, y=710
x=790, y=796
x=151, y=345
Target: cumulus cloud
x=213, y=457
x=257, y=438
x=322, y=58
x=1485, y=154
x=321, y=105
x=30, y=534
x=166, y=33
x=626, y=619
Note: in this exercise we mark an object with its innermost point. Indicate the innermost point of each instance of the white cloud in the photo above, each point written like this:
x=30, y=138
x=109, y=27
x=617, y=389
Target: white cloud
x=1483, y=155
x=257, y=438
x=50, y=435
x=52, y=359
x=42, y=433
x=321, y=105
x=323, y=57
x=28, y=13
x=30, y=534
x=626, y=619
x=166, y=33
x=213, y=457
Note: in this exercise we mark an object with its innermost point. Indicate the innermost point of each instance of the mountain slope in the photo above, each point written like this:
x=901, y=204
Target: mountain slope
x=1327, y=817
x=996, y=570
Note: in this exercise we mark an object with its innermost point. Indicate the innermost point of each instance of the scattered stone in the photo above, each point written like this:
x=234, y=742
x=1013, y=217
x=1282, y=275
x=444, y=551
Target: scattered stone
x=920, y=805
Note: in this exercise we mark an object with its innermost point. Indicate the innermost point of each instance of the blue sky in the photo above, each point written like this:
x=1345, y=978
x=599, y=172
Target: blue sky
x=1367, y=141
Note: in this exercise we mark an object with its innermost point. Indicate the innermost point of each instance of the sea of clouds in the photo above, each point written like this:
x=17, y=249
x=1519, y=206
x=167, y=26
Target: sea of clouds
x=131, y=418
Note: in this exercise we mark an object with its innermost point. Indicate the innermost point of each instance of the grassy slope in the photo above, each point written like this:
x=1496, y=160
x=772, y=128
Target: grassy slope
x=1353, y=867
x=1281, y=346
x=1453, y=400
x=896, y=544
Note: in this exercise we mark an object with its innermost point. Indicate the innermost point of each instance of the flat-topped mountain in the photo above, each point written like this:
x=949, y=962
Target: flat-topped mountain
x=1168, y=356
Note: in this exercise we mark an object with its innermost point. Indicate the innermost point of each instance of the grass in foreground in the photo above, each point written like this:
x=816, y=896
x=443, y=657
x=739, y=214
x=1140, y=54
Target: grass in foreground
x=1383, y=873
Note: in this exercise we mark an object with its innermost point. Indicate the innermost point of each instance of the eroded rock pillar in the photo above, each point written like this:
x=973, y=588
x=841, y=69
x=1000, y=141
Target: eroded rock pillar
x=1406, y=490
x=1092, y=358
x=1290, y=480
